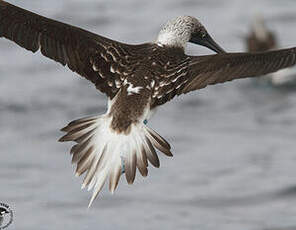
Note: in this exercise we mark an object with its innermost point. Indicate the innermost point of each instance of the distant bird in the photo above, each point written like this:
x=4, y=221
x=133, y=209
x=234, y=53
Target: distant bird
x=262, y=39
x=3, y=212
x=136, y=80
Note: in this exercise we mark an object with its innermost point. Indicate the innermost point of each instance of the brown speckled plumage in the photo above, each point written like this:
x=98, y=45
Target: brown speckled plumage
x=136, y=79
x=108, y=63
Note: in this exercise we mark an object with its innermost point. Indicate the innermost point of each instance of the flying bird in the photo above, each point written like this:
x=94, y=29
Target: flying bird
x=260, y=39
x=136, y=79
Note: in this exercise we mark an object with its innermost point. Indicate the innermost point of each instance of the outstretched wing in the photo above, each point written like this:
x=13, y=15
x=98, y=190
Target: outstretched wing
x=213, y=69
x=98, y=59
x=216, y=69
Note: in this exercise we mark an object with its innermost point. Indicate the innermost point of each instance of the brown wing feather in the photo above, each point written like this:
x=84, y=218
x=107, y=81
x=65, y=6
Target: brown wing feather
x=214, y=69
x=100, y=60
x=201, y=71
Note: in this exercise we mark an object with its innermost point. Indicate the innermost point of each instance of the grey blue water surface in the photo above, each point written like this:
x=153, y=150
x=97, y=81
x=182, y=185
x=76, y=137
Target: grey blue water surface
x=234, y=164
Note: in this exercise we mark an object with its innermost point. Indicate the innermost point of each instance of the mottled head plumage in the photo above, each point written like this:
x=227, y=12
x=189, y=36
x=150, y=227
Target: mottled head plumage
x=177, y=32
x=183, y=29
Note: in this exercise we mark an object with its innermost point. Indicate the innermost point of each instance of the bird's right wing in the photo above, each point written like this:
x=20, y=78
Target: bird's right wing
x=100, y=60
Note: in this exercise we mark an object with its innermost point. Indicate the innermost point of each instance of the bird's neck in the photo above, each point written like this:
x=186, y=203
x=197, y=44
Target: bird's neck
x=171, y=39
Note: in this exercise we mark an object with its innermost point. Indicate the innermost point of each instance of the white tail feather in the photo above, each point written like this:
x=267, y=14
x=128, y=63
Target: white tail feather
x=100, y=151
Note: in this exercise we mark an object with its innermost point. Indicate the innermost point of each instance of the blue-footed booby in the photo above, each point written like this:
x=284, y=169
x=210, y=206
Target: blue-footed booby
x=136, y=79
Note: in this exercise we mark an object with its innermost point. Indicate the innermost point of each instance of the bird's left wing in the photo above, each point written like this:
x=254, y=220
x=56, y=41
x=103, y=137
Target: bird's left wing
x=202, y=71
x=98, y=59
x=214, y=69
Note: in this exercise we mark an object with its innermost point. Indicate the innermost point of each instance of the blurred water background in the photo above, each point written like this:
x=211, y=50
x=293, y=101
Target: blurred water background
x=234, y=164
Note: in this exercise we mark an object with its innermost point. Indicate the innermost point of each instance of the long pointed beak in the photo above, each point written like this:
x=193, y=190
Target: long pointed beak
x=209, y=42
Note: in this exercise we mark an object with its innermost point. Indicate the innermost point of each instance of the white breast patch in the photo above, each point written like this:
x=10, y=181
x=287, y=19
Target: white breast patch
x=133, y=90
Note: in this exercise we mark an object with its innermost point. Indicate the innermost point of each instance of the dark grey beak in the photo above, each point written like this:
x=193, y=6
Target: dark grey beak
x=207, y=41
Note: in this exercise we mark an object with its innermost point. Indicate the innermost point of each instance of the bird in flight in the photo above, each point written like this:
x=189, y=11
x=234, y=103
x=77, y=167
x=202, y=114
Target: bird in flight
x=136, y=79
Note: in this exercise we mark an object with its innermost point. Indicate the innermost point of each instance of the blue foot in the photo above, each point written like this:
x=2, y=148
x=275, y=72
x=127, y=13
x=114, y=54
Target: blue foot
x=122, y=166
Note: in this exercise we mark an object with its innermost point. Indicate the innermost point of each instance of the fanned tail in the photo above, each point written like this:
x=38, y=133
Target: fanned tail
x=101, y=152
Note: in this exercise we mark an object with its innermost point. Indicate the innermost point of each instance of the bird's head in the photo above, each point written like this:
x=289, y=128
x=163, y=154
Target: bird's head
x=183, y=29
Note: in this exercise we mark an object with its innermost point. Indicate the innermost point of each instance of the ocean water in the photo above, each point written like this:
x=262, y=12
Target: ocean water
x=233, y=144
